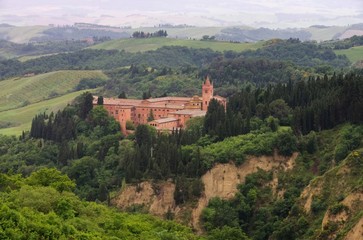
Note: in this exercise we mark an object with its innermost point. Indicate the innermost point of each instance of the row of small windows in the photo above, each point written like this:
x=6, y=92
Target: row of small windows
x=155, y=109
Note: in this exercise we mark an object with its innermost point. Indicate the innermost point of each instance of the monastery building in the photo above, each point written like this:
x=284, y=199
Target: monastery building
x=168, y=112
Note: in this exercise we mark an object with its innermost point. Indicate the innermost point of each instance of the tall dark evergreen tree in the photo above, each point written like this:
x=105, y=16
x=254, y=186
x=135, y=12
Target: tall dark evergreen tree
x=100, y=100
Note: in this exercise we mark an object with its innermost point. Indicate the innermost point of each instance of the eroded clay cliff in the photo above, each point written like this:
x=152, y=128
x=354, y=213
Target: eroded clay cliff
x=221, y=181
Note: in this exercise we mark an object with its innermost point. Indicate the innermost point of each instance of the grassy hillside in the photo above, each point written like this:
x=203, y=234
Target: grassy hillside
x=18, y=92
x=354, y=54
x=20, y=119
x=142, y=45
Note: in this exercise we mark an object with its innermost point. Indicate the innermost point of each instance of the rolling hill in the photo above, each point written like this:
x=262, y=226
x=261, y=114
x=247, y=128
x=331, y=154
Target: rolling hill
x=20, y=119
x=147, y=44
x=324, y=33
x=19, y=92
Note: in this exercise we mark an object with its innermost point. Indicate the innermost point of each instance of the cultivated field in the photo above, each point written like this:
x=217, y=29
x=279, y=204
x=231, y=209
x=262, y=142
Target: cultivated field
x=354, y=54
x=21, y=118
x=19, y=92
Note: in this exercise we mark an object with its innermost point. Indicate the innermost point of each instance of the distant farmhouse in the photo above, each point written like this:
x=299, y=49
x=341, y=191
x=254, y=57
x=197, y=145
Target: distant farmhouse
x=165, y=113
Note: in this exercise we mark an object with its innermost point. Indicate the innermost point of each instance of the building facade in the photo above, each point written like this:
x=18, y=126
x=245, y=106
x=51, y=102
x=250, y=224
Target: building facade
x=165, y=113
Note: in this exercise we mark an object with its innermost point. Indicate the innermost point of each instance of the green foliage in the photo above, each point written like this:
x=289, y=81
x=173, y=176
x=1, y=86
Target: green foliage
x=193, y=130
x=300, y=53
x=318, y=205
x=100, y=100
x=187, y=189
x=84, y=104
x=51, y=177
x=90, y=83
x=227, y=233
x=141, y=34
x=151, y=116
x=214, y=121
x=130, y=125
x=350, y=138
x=218, y=214
x=38, y=212
x=279, y=109
x=338, y=208
x=257, y=144
x=272, y=123
x=286, y=143
x=107, y=59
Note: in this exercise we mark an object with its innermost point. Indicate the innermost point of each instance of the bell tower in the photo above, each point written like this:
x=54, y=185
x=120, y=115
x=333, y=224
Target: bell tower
x=207, y=93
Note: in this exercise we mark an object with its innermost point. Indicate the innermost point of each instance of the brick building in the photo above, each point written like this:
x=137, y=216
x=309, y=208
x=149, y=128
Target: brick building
x=167, y=112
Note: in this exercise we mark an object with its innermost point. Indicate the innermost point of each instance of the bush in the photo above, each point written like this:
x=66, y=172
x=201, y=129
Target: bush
x=130, y=125
x=286, y=143
x=227, y=233
x=318, y=205
x=90, y=83
x=338, y=208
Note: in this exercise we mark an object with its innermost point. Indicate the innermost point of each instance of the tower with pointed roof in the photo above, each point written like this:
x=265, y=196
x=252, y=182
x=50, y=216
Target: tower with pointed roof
x=207, y=93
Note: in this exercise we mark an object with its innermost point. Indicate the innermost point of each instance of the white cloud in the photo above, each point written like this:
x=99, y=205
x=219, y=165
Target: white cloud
x=233, y=11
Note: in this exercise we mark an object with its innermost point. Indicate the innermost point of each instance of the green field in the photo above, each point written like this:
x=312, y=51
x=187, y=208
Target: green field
x=22, y=117
x=146, y=44
x=19, y=92
x=354, y=54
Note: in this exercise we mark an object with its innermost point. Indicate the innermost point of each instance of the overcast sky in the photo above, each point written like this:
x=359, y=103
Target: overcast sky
x=280, y=13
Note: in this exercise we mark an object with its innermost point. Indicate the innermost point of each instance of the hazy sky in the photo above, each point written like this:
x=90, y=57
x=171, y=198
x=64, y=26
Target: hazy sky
x=280, y=13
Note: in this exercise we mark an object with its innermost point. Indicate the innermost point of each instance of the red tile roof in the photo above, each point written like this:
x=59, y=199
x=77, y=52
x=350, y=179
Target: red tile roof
x=165, y=120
